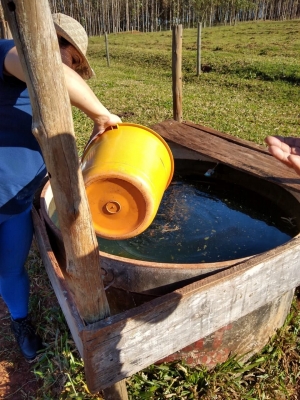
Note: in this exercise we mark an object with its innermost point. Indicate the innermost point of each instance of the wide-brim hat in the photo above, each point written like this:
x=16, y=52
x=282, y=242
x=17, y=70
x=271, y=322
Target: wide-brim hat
x=71, y=30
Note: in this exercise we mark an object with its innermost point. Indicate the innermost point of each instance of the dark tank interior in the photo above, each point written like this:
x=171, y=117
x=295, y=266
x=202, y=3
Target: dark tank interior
x=211, y=213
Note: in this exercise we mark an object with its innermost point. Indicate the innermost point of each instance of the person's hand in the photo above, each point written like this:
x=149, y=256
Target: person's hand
x=286, y=150
x=104, y=121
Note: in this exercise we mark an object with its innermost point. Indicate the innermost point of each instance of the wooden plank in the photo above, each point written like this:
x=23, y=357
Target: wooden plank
x=234, y=152
x=229, y=138
x=60, y=286
x=121, y=345
x=116, y=391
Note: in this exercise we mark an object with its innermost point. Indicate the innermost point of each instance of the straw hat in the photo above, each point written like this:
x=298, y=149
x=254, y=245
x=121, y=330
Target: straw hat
x=71, y=30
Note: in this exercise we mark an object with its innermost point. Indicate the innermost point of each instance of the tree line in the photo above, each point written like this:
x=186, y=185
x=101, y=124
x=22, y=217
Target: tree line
x=112, y=16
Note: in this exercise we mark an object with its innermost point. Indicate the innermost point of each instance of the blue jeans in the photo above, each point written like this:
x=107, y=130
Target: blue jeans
x=16, y=234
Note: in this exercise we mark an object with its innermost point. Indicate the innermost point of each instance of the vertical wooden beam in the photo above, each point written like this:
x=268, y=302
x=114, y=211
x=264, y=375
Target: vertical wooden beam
x=36, y=41
x=199, y=30
x=107, y=50
x=177, y=72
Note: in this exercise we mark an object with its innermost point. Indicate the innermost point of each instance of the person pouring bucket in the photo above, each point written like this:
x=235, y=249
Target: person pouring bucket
x=22, y=167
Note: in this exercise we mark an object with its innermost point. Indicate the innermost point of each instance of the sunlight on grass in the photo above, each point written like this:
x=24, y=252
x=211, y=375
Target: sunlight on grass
x=251, y=91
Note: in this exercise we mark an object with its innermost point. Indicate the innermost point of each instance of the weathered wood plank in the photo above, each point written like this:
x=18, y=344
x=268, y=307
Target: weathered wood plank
x=229, y=138
x=126, y=343
x=60, y=286
x=116, y=391
x=235, y=152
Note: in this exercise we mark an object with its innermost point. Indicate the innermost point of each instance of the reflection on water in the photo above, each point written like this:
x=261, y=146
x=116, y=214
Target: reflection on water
x=204, y=221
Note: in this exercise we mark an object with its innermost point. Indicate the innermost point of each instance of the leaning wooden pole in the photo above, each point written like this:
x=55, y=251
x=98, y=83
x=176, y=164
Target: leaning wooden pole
x=36, y=41
x=177, y=72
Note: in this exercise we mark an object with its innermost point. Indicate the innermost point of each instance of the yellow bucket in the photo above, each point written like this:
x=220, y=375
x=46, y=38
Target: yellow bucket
x=126, y=171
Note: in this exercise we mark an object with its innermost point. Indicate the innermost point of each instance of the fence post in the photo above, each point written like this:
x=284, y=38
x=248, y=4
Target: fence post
x=199, y=48
x=176, y=72
x=106, y=47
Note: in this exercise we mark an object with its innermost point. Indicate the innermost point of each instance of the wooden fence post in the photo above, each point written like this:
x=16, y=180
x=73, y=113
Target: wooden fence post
x=36, y=41
x=176, y=72
x=106, y=47
x=199, y=48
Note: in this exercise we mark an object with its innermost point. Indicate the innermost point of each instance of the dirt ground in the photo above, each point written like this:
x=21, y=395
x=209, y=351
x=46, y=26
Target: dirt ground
x=17, y=380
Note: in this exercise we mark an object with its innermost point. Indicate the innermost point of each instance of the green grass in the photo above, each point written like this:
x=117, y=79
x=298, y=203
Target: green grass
x=250, y=91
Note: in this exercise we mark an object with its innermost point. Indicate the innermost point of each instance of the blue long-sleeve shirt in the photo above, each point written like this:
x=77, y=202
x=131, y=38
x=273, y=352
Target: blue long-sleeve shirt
x=22, y=166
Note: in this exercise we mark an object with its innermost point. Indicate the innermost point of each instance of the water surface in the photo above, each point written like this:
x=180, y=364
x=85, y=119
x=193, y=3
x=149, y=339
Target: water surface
x=202, y=221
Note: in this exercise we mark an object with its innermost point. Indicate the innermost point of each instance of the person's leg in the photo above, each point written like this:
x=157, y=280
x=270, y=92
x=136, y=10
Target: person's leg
x=15, y=240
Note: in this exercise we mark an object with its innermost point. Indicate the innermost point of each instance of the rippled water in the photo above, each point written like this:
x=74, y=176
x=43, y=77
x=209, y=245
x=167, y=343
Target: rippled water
x=200, y=221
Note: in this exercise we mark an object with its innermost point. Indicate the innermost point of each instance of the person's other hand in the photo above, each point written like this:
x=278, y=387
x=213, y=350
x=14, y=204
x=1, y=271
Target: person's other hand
x=104, y=121
x=286, y=150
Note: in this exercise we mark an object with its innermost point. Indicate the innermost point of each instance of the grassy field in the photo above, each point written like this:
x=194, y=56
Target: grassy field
x=250, y=91
x=249, y=88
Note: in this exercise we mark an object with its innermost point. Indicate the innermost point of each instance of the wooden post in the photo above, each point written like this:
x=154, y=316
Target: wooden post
x=107, y=51
x=176, y=72
x=36, y=41
x=199, y=48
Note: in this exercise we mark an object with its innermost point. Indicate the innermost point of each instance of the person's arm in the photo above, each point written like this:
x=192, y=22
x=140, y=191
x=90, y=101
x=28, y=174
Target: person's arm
x=12, y=64
x=81, y=95
x=286, y=150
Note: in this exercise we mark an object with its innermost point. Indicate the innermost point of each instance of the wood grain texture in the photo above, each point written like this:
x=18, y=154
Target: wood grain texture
x=60, y=286
x=126, y=343
x=238, y=153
